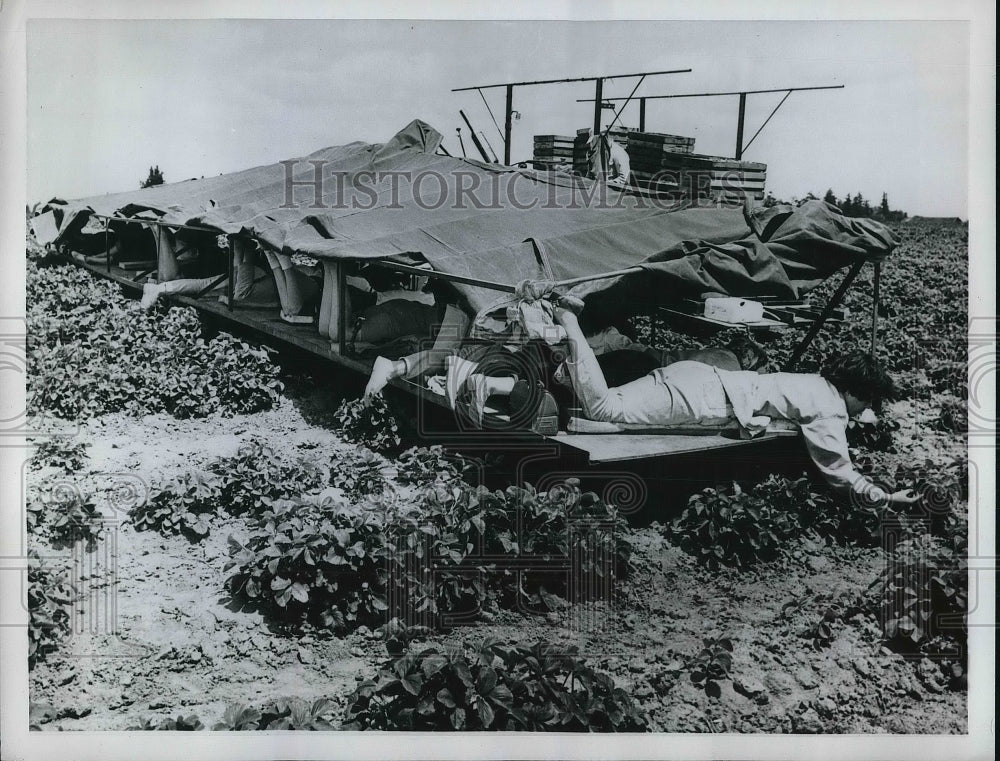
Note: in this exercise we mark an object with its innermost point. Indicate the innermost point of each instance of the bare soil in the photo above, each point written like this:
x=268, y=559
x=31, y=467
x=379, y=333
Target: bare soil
x=154, y=637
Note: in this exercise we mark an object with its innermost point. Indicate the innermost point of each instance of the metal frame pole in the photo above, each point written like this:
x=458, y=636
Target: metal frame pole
x=832, y=304
x=739, y=126
x=107, y=245
x=342, y=308
x=642, y=114
x=875, y=290
x=507, y=124
x=598, y=102
x=231, y=272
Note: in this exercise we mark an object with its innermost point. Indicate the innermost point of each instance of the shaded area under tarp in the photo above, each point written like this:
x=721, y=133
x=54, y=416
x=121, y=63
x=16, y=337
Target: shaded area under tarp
x=501, y=224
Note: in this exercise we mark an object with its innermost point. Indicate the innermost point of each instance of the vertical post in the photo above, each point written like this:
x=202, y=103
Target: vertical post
x=739, y=126
x=598, y=104
x=342, y=307
x=642, y=114
x=875, y=288
x=507, y=125
x=231, y=271
x=107, y=245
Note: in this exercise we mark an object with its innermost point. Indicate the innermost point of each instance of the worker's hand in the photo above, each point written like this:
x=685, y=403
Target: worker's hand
x=903, y=497
x=382, y=373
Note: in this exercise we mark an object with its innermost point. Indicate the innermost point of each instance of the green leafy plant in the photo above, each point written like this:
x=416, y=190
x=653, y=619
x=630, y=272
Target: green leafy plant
x=442, y=555
x=361, y=473
x=49, y=600
x=732, y=527
x=421, y=466
x=879, y=436
x=251, y=481
x=954, y=415
x=712, y=664
x=370, y=422
x=239, y=718
x=923, y=592
x=181, y=724
x=183, y=505
x=73, y=518
x=540, y=687
x=298, y=714
x=63, y=454
x=316, y=561
x=90, y=351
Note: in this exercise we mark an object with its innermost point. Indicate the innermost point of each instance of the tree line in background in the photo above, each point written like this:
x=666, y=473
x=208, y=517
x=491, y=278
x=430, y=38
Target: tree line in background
x=853, y=206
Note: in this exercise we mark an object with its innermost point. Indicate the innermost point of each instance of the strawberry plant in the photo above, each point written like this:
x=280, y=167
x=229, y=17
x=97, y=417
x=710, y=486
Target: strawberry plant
x=63, y=454
x=732, y=527
x=257, y=475
x=239, y=718
x=298, y=714
x=492, y=687
x=370, y=422
x=712, y=664
x=315, y=561
x=181, y=724
x=183, y=505
x=923, y=592
x=75, y=517
x=49, y=599
x=874, y=437
x=90, y=351
x=421, y=466
x=360, y=473
x=444, y=555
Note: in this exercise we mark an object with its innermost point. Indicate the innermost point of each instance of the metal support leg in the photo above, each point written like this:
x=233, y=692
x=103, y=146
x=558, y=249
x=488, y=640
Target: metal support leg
x=342, y=308
x=832, y=304
x=107, y=246
x=875, y=289
x=507, y=125
x=642, y=114
x=598, y=104
x=231, y=273
x=739, y=126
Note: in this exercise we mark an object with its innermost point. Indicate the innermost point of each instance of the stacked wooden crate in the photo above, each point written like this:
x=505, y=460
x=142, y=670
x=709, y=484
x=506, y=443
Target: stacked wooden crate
x=667, y=164
x=553, y=152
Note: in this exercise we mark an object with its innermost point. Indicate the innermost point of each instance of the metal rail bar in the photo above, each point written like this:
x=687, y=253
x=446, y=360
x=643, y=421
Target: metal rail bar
x=832, y=304
x=739, y=125
x=575, y=79
x=155, y=222
x=411, y=270
x=714, y=94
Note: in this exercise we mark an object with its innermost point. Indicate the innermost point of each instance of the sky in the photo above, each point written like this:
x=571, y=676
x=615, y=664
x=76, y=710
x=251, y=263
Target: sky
x=107, y=99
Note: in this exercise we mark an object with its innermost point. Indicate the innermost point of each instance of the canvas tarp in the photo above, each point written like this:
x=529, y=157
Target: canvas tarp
x=491, y=222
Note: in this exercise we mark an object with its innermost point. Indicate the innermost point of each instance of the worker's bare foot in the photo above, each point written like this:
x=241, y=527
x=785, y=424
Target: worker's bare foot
x=150, y=293
x=382, y=373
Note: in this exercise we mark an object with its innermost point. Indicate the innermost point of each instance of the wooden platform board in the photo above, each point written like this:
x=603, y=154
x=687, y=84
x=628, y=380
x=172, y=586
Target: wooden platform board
x=615, y=447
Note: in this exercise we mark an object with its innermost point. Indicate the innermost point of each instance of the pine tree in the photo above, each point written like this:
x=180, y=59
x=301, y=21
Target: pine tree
x=884, y=211
x=155, y=177
x=830, y=197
